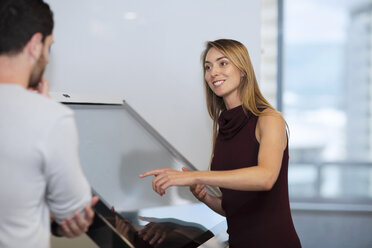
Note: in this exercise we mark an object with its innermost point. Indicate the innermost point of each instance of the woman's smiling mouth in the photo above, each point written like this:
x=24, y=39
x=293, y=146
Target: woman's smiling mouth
x=218, y=83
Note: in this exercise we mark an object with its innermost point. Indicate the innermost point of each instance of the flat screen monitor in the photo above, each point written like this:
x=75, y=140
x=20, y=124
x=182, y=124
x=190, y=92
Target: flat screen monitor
x=116, y=146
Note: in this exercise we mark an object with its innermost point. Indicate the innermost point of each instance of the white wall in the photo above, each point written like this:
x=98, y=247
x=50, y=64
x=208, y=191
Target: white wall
x=148, y=52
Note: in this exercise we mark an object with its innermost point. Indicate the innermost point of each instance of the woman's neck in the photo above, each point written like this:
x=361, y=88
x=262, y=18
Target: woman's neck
x=232, y=102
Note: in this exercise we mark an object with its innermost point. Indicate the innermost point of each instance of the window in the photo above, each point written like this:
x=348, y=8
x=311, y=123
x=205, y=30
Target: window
x=327, y=98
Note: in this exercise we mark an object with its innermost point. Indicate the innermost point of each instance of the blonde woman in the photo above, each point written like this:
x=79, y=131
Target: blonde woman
x=250, y=154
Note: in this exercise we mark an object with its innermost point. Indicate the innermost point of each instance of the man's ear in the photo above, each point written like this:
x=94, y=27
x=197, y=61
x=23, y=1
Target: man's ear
x=35, y=46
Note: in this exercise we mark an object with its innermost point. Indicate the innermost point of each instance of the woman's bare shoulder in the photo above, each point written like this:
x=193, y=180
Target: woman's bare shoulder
x=272, y=113
x=271, y=124
x=270, y=117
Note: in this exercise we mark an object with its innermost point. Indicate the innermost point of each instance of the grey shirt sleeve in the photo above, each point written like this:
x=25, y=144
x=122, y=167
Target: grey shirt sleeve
x=67, y=188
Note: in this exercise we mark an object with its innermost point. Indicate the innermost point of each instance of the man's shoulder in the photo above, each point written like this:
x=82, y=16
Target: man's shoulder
x=52, y=106
x=47, y=106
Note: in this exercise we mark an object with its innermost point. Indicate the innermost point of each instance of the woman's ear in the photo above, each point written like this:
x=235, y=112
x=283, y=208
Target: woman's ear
x=35, y=46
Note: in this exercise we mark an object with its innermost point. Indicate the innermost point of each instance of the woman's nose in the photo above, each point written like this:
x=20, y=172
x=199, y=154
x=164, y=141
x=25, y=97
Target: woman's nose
x=215, y=71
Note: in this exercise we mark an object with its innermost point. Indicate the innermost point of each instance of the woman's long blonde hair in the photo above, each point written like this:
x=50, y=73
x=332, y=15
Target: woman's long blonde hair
x=250, y=94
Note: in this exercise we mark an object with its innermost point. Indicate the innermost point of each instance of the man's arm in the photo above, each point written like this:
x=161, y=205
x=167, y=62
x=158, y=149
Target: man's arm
x=67, y=188
x=74, y=227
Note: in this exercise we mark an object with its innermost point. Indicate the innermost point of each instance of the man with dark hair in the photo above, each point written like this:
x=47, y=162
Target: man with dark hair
x=40, y=172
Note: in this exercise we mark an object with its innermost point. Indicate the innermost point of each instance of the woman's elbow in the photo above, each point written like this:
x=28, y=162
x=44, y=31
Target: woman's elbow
x=268, y=184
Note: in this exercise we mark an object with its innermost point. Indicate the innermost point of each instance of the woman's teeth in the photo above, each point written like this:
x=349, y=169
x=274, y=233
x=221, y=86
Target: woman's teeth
x=217, y=83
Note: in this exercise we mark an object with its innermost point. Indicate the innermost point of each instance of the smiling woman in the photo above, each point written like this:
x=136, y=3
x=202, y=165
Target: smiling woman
x=250, y=154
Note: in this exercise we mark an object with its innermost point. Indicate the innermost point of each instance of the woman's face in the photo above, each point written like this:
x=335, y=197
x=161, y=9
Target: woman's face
x=222, y=76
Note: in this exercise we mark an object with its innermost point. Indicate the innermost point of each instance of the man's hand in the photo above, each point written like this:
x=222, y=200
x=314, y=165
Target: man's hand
x=74, y=227
x=42, y=88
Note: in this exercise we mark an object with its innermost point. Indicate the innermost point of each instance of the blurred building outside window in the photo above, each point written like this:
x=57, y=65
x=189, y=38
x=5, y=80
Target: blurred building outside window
x=316, y=68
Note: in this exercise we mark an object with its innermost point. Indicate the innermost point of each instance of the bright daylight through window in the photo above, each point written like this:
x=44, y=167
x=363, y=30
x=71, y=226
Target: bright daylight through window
x=327, y=98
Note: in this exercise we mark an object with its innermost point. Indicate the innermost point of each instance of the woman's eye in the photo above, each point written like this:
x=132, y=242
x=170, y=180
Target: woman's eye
x=207, y=67
x=223, y=63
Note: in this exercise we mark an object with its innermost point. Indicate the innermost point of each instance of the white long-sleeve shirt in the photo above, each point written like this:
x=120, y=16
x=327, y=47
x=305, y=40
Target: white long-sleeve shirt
x=39, y=167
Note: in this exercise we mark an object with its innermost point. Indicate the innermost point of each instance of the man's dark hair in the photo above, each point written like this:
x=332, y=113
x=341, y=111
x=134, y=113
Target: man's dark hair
x=19, y=20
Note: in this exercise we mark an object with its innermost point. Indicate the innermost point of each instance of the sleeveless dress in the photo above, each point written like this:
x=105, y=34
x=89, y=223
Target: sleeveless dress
x=254, y=218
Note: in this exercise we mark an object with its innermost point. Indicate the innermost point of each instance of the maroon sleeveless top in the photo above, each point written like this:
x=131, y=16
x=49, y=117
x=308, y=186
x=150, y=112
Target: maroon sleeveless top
x=254, y=218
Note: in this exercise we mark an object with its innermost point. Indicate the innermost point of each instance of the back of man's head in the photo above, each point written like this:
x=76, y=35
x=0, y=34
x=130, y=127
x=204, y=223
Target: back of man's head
x=19, y=20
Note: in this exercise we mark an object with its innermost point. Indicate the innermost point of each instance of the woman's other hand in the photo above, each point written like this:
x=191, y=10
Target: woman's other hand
x=198, y=190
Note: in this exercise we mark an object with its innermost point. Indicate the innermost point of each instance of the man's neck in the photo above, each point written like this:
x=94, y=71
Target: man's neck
x=14, y=70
